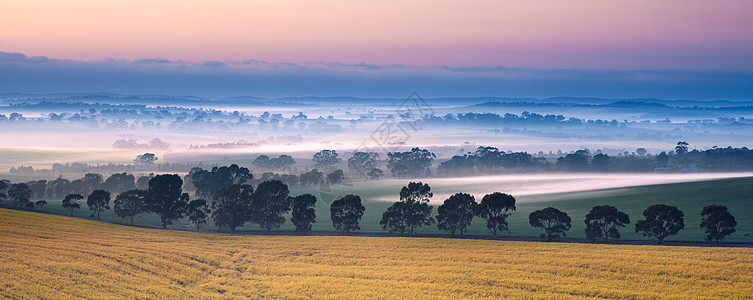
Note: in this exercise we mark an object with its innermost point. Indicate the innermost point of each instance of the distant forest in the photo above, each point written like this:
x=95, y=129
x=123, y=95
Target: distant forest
x=421, y=163
x=491, y=160
x=115, y=116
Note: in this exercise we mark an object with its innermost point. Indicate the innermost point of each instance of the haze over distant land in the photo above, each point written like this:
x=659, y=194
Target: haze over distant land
x=20, y=73
x=248, y=77
x=317, y=132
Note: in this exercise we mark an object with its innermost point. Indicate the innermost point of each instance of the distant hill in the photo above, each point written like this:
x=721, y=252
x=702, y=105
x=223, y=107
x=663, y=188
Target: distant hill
x=477, y=102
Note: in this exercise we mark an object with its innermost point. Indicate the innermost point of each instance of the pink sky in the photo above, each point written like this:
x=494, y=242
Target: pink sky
x=589, y=34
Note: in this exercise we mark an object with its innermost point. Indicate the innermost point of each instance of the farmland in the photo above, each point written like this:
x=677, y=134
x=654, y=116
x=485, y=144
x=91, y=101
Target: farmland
x=690, y=197
x=52, y=256
x=376, y=150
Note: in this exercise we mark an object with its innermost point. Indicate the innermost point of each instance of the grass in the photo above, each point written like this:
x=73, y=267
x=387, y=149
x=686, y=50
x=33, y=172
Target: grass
x=736, y=193
x=691, y=197
x=48, y=256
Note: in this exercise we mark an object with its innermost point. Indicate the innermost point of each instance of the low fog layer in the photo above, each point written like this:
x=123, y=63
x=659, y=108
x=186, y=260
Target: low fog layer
x=106, y=128
x=562, y=183
x=532, y=185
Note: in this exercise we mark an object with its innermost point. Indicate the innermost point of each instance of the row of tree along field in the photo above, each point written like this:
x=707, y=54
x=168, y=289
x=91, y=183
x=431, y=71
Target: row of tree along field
x=232, y=205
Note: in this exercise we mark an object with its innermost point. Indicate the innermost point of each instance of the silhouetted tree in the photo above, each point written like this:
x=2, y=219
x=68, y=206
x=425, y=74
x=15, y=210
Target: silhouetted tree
x=19, y=194
x=77, y=187
x=335, y=177
x=289, y=179
x=303, y=212
x=602, y=221
x=362, y=163
x=266, y=176
x=495, y=208
x=417, y=196
x=681, y=148
x=119, y=182
x=146, y=159
x=641, y=151
x=456, y=213
x=575, y=162
x=91, y=182
x=414, y=163
x=207, y=183
x=375, y=174
x=198, y=212
x=270, y=201
x=521, y=160
x=98, y=201
x=130, y=203
x=232, y=206
x=38, y=188
x=71, y=202
x=326, y=159
x=600, y=163
x=60, y=187
x=393, y=219
x=4, y=185
x=413, y=210
x=261, y=161
x=458, y=165
x=313, y=177
x=346, y=213
x=555, y=223
x=661, y=221
x=40, y=203
x=718, y=222
x=165, y=197
x=142, y=182
x=188, y=180
x=662, y=159
x=487, y=157
x=283, y=162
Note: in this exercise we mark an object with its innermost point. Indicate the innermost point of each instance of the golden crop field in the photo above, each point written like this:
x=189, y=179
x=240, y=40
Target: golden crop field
x=47, y=256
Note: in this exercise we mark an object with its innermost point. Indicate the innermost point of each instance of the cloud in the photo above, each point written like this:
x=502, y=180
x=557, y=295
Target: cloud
x=40, y=74
x=11, y=57
x=362, y=66
x=158, y=60
x=212, y=63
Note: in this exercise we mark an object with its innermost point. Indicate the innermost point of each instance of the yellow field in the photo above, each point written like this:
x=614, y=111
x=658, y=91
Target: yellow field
x=58, y=257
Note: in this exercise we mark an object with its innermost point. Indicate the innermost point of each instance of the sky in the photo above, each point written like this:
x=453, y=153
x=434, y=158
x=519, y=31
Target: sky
x=638, y=48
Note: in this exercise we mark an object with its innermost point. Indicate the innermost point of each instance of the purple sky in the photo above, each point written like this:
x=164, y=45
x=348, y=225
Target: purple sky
x=673, y=48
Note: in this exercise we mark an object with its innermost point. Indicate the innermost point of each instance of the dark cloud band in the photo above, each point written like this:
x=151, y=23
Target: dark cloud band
x=39, y=74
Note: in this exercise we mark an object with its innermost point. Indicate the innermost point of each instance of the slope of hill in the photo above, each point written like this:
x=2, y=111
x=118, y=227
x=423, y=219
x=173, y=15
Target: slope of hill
x=690, y=197
x=48, y=256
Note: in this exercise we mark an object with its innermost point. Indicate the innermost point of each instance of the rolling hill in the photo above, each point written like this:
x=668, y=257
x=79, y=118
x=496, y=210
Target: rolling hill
x=49, y=256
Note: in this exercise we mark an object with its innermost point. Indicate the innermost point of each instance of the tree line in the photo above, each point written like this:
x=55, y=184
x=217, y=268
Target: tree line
x=681, y=159
x=234, y=204
x=417, y=163
x=602, y=223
